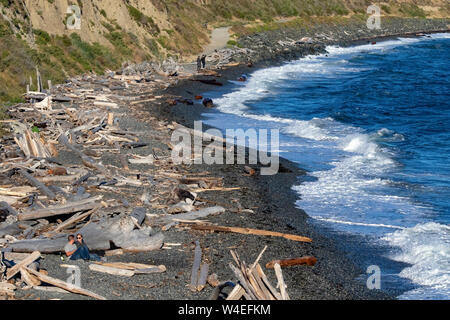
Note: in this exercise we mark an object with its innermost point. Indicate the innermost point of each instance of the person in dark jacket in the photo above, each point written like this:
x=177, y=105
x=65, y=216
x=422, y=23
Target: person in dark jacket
x=199, y=63
x=203, y=61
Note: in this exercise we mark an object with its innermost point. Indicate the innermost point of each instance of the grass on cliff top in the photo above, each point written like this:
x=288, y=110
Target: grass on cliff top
x=58, y=57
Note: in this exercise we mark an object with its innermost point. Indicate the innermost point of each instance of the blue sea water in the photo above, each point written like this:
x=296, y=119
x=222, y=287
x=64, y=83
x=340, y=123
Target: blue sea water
x=371, y=124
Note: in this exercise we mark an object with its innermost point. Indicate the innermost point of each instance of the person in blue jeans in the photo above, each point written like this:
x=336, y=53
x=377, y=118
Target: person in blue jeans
x=78, y=249
x=84, y=248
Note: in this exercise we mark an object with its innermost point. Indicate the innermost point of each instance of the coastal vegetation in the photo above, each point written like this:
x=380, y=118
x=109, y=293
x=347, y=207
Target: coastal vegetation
x=141, y=30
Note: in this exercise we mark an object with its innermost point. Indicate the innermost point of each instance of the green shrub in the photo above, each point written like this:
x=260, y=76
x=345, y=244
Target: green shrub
x=41, y=37
x=386, y=9
x=412, y=10
x=6, y=3
x=142, y=19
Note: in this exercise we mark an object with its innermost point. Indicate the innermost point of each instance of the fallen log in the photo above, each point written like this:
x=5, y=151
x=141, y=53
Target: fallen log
x=50, y=195
x=236, y=293
x=180, y=207
x=209, y=81
x=114, y=252
x=5, y=207
x=29, y=279
x=309, y=261
x=203, y=276
x=51, y=289
x=281, y=284
x=99, y=236
x=24, y=263
x=11, y=230
x=196, y=266
x=138, y=268
x=64, y=285
x=74, y=219
x=7, y=288
x=87, y=161
x=213, y=280
x=70, y=207
x=250, y=231
x=139, y=214
x=17, y=191
x=194, y=215
x=266, y=282
x=111, y=270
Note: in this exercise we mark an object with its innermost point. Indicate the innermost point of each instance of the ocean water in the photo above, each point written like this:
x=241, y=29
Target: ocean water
x=371, y=124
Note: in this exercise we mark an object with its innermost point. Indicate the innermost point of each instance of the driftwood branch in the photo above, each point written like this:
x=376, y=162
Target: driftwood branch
x=64, y=285
x=250, y=231
x=309, y=261
x=70, y=207
x=38, y=184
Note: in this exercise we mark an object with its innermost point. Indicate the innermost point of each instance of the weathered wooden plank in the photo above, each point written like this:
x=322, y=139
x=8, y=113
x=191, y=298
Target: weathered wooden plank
x=194, y=215
x=308, y=260
x=236, y=293
x=38, y=184
x=6, y=287
x=99, y=236
x=139, y=214
x=251, y=232
x=28, y=278
x=111, y=270
x=281, y=284
x=75, y=219
x=266, y=282
x=24, y=263
x=70, y=207
x=5, y=207
x=203, y=276
x=196, y=266
x=64, y=285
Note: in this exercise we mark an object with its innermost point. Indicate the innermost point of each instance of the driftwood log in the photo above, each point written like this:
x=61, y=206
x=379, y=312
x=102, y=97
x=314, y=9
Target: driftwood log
x=38, y=184
x=308, y=260
x=250, y=231
x=98, y=236
x=70, y=207
x=64, y=285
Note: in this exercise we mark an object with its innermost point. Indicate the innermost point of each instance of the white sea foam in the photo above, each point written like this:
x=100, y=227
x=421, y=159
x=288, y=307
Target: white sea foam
x=427, y=248
x=377, y=225
x=344, y=194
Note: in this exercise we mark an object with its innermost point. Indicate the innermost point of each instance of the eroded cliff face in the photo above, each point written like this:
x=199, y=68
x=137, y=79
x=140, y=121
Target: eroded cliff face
x=98, y=18
x=178, y=27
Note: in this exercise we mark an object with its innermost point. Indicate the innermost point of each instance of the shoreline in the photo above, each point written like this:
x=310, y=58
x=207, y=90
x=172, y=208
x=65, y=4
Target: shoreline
x=283, y=185
x=270, y=199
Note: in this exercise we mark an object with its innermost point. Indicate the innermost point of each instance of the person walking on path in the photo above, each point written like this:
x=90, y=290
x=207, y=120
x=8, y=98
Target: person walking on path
x=199, y=63
x=203, y=61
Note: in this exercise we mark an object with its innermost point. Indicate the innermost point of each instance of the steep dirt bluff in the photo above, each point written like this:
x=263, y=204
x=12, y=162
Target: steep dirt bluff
x=40, y=32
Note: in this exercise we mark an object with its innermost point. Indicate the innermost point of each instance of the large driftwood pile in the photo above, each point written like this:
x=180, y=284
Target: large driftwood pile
x=68, y=166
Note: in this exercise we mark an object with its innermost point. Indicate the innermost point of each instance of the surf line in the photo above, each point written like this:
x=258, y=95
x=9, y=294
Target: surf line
x=360, y=223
